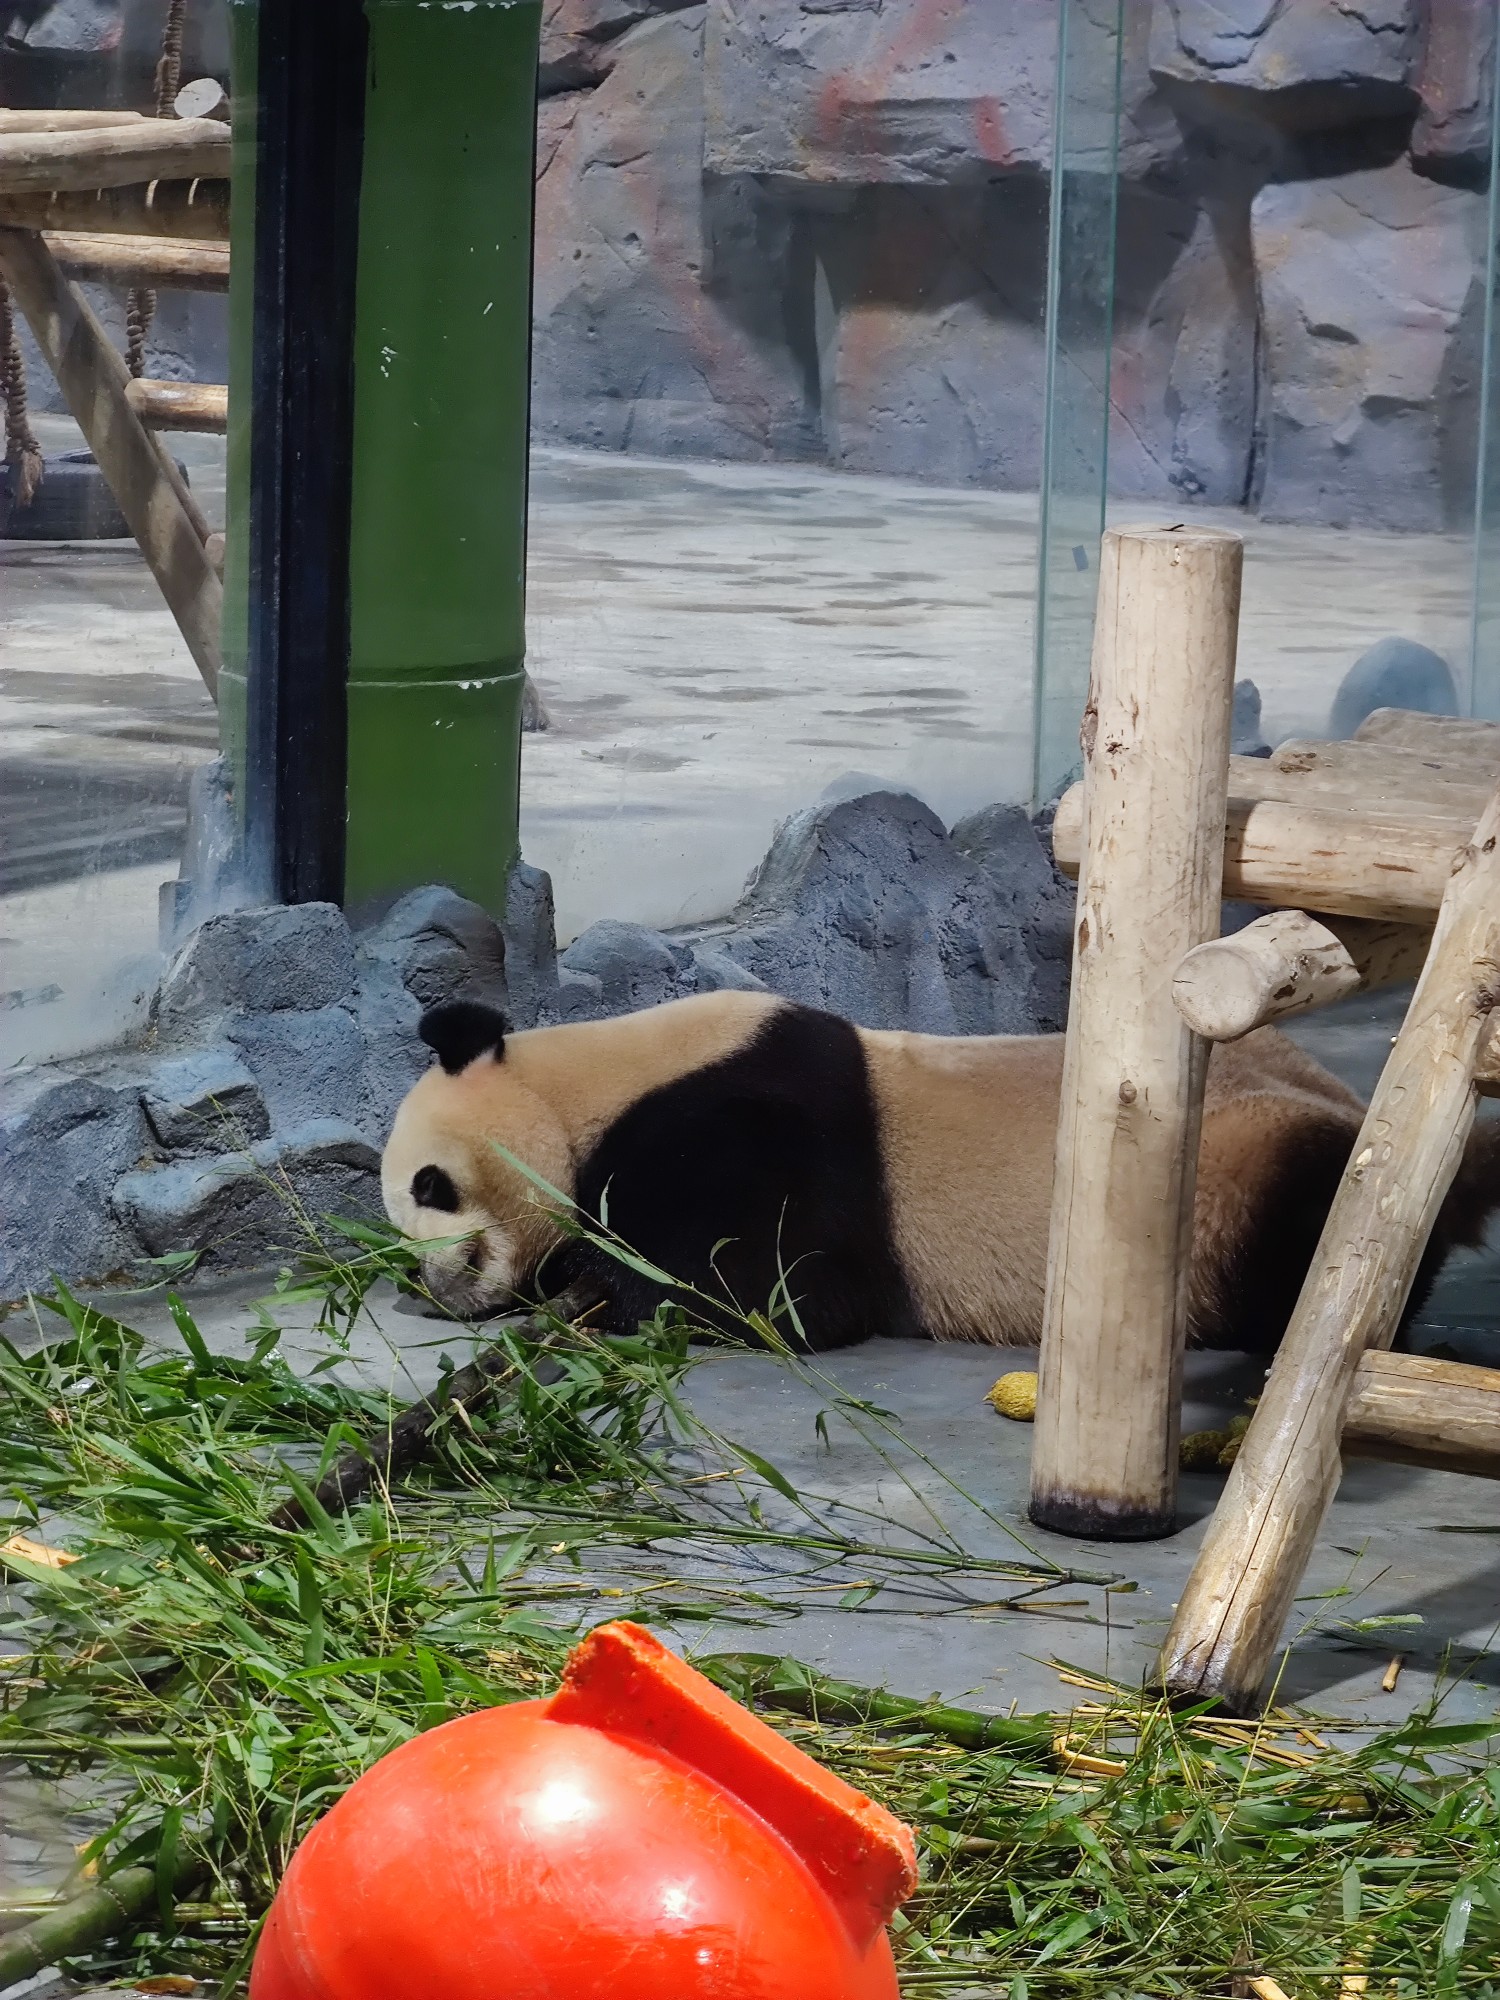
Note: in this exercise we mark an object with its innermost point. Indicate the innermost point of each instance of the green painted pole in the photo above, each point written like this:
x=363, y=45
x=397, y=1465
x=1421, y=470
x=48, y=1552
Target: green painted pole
x=441, y=418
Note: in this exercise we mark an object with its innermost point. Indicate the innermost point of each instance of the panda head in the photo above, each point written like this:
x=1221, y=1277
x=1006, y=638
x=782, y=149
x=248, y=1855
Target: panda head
x=444, y=1175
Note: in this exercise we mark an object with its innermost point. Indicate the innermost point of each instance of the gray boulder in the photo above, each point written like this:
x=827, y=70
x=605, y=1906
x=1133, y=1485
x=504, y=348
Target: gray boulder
x=262, y=960
x=1307, y=64
x=209, y=1099
x=247, y=1208
x=1245, y=736
x=1456, y=83
x=867, y=908
x=1393, y=673
x=65, y=1140
x=633, y=967
x=309, y=1063
x=1372, y=305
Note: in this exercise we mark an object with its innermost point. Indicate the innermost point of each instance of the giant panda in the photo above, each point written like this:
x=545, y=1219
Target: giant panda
x=859, y=1181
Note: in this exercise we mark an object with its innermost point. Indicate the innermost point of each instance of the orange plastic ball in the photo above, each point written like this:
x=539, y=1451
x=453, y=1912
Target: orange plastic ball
x=637, y=1837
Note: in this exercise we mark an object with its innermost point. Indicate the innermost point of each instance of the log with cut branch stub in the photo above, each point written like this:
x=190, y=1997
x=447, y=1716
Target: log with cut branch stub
x=1286, y=963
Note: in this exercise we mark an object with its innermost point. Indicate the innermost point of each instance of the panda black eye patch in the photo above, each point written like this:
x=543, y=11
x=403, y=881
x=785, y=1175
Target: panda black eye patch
x=432, y=1188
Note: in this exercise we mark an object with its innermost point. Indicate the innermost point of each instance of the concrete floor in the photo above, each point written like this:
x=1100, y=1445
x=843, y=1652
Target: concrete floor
x=716, y=645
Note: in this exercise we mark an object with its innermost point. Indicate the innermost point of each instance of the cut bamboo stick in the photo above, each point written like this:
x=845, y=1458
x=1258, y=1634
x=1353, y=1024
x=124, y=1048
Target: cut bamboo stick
x=154, y=149
x=165, y=264
x=196, y=209
x=1392, y=867
x=1286, y=963
x=66, y=121
x=1448, y=737
x=1415, y=1410
x=1230, y=1617
x=180, y=406
x=1156, y=749
x=151, y=493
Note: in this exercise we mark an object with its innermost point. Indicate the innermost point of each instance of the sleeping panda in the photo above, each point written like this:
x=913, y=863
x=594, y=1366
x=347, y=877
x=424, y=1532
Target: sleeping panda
x=862, y=1182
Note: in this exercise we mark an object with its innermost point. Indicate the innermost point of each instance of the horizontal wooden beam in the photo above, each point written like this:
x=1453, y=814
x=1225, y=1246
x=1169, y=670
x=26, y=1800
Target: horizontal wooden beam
x=156, y=149
x=196, y=209
x=66, y=121
x=1385, y=774
x=1418, y=1411
x=1394, y=867
x=1287, y=963
x=180, y=406
x=164, y=263
x=1446, y=736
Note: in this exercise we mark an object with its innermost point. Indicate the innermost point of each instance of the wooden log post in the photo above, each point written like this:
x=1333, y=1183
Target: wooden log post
x=1156, y=751
x=159, y=509
x=1231, y=1615
x=83, y=158
x=1392, y=867
x=162, y=263
x=1414, y=1410
x=1384, y=775
x=1286, y=963
x=198, y=210
x=180, y=406
x=66, y=121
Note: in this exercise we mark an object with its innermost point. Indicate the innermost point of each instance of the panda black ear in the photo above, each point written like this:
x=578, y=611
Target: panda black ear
x=461, y=1031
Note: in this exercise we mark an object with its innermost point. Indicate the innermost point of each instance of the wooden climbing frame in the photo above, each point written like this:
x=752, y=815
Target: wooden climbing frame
x=1381, y=859
x=140, y=201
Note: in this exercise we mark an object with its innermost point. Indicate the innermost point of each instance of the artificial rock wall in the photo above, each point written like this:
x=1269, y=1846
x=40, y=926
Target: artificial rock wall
x=816, y=229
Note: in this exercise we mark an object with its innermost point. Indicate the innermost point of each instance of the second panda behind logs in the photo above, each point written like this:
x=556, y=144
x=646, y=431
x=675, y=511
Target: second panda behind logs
x=891, y=1183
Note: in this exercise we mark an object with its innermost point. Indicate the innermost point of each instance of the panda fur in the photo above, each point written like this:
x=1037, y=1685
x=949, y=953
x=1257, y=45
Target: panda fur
x=898, y=1183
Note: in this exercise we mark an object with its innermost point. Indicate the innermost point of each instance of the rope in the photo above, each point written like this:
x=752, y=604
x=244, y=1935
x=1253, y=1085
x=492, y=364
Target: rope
x=22, y=452
x=140, y=305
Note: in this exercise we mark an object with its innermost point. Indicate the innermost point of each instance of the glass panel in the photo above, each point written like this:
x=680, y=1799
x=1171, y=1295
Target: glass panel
x=1297, y=270
x=786, y=425
x=1080, y=315
x=1485, y=676
x=105, y=714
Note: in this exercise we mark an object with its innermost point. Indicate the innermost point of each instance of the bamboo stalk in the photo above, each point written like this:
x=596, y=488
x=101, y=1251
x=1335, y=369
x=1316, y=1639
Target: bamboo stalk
x=406, y=1441
x=81, y=159
x=1286, y=963
x=758, y=1677
x=100, y=1913
x=1156, y=751
x=1415, y=1410
x=1390, y=867
x=159, y=509
x=1230, y=1617
x=163, y=262
x=180, y=406
x=195, y=209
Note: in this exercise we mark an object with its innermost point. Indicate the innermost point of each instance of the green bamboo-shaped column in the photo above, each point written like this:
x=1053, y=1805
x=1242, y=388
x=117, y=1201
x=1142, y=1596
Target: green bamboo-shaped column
x=442, y=365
